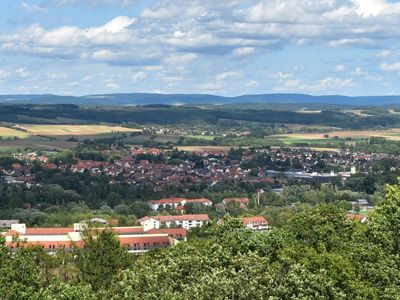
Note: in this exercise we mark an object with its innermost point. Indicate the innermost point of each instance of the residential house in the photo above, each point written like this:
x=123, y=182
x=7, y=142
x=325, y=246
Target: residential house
x=255, y=223
x=175, y=202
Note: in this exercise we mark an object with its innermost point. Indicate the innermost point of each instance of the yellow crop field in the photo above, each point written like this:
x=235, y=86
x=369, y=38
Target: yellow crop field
x=68, y=130
x=6, y=132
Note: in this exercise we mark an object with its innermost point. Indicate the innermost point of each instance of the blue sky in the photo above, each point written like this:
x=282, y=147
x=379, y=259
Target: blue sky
x=230, y=47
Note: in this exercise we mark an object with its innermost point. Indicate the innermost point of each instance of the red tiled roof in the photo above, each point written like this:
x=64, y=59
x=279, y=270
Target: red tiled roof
x=198, y=217
x=128, y=230
x=239, y=200
x=166, y=200
x=48, y=231
x=256, y=219
x=49, y=166
x=16, y=166
x=144, y=239
x=177, y=200
x=143, y=219
x=180, y=208
x=350, y=217
x=11, y=233
x=204, y=200
x=173, y=232
x=46, y=244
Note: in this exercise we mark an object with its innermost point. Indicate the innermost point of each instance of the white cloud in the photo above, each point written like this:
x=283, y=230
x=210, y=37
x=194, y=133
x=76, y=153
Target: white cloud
x=243, y=51
x=56, y=75
x=355, y=42
x=170, y=79
x=153, y=68
x=22, y=73
x=282, y=75
x=105, y=55
x=373, y=8
x=329, y=84
x=227, y=75
x=95, y=3
x=137, y=76
x=4, y=74
x=384, y=53
x=211, y=87
x=394, y=67
x=112, y=86
x=340, y=68
x=359, y=72
x=176, y=59
x=32, y=8
x=252, y=83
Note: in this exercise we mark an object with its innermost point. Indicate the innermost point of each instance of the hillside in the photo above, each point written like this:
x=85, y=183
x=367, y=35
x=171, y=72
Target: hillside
x=191, y=99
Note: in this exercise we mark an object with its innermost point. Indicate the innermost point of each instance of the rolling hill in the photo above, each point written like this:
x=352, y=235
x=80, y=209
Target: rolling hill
x=195, y=99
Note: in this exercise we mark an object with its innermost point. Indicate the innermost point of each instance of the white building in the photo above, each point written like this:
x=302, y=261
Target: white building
x=175, y=202
x=255, y=223
x=184, y=221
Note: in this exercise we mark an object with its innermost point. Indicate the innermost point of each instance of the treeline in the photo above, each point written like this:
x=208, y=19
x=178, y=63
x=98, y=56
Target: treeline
x=188, y=115
x=318, y=254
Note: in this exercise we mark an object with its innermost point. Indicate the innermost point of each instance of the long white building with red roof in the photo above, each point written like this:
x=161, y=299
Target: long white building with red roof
x=183, y=221
x=175, y=202
x=136, y=239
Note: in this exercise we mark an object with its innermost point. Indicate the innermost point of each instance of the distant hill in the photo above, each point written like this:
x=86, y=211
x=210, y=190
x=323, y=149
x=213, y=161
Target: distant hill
x=195, y=99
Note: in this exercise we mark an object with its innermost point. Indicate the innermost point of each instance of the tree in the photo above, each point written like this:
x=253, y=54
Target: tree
x=122, y=209
x=140, y=209
x=100, y=258
x=19, y=274
x=64, y=291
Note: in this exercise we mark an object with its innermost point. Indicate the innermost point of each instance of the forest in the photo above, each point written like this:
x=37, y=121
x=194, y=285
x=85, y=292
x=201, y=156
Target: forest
x=166, y=114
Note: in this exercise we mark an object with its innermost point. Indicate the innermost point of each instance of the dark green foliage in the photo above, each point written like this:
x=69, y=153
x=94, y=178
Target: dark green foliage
x=100, y=258
x=187, y=114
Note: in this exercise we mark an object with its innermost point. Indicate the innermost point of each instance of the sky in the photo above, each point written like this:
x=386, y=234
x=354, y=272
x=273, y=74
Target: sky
x=227, y=47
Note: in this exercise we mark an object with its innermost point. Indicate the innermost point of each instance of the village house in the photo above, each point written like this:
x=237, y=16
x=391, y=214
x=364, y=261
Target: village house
x=8, y=223
x=243, y=202
x=255, y=223
x=175, y=202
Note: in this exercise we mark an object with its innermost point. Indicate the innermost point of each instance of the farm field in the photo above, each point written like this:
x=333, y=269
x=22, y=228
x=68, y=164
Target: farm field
x=202, y=137
x=34, y=143
x=49, y=137
x=6, y=132
x=300, y=127
x=72, y=130
x=336, y=136
x=224, y=149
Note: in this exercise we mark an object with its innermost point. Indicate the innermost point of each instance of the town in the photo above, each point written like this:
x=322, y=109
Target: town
x=184, y=179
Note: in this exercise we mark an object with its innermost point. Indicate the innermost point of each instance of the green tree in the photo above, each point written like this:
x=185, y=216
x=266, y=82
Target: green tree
x=100, y=258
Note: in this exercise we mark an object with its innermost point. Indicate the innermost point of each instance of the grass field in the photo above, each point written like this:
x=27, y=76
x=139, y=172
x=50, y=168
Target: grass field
x=202, y=137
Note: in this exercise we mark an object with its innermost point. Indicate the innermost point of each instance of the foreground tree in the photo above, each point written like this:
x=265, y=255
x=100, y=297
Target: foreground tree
x=101, y=258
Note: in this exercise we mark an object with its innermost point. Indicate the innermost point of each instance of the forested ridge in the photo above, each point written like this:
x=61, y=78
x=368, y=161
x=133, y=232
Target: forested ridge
x=165, y=114
x=318, y=254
